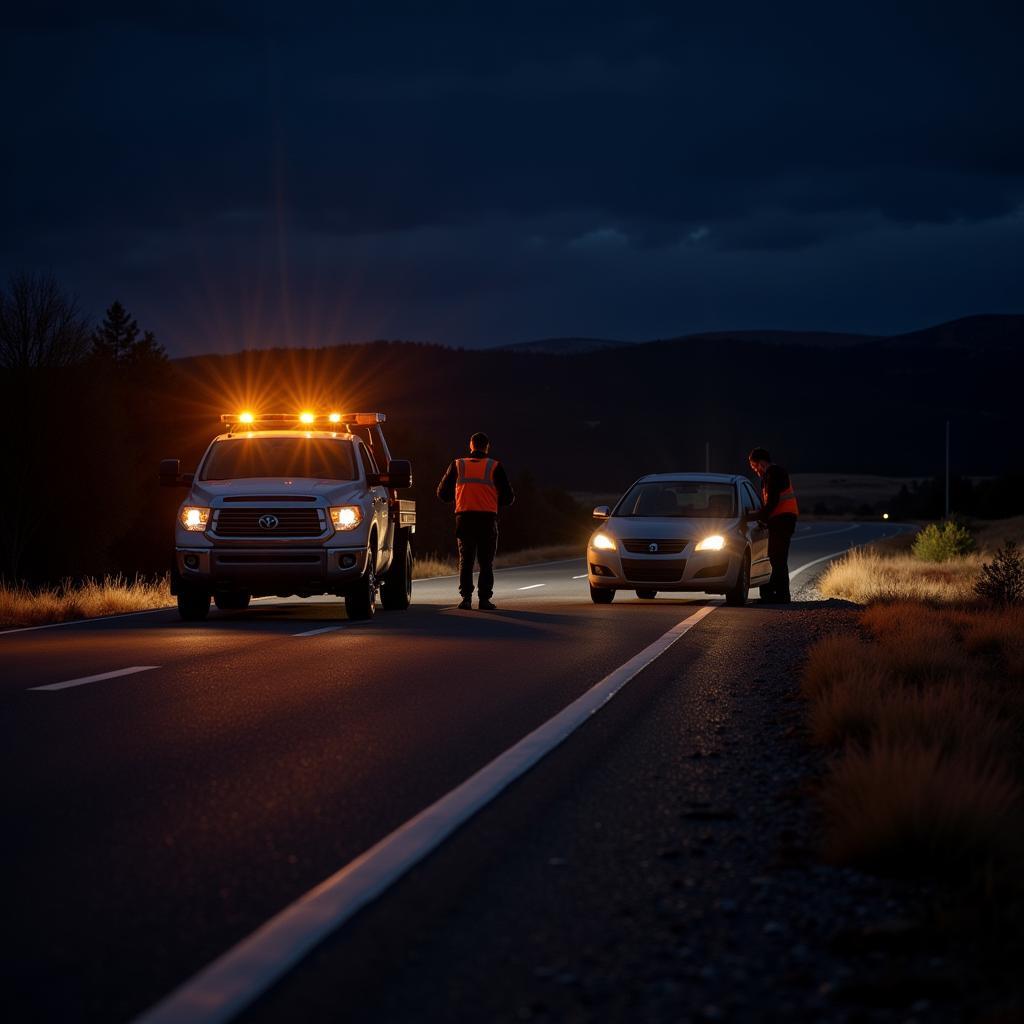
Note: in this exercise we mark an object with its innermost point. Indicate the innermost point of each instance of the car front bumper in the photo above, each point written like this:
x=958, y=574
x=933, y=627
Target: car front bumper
x=712, y=572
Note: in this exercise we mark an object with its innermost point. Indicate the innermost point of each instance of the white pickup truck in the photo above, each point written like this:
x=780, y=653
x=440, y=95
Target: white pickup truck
x=288, y=505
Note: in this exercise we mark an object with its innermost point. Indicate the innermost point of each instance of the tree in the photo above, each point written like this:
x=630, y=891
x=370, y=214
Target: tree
x=117, y=340
x=40, y=326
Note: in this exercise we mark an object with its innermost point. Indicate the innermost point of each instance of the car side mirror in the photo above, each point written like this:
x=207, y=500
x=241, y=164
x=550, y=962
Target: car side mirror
x=172, y=476
x=602, y=512
x=399, y=475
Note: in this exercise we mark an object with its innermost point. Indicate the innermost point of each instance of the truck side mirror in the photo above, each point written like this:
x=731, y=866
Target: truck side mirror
x=171, y=475
x=399, y=474
x=602, y=512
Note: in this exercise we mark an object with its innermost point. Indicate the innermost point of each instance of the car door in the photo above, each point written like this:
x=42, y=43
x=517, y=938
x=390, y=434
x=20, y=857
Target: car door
x=759, y=564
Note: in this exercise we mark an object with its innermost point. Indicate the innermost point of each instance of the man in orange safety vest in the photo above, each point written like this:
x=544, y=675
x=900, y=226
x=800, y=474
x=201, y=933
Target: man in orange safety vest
x=779, y=513
x=478, y=485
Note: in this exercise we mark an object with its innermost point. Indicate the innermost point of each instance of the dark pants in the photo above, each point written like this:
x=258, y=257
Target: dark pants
x=477, y=534
x=780, y=532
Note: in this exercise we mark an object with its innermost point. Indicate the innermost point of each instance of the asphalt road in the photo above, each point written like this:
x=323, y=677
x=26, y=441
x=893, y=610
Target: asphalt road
x=155, y=818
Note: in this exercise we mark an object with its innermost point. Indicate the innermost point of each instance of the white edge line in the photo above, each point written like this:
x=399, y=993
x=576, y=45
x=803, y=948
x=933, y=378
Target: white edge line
x=583, y=577
x=69, y=683
x=229, y=984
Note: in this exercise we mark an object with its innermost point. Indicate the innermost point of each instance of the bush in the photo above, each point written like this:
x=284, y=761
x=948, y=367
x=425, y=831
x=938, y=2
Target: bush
x=939, y=542
x=1002, y=579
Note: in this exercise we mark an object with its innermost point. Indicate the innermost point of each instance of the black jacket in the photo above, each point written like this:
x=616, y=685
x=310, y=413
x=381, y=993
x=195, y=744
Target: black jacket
x=446, y=488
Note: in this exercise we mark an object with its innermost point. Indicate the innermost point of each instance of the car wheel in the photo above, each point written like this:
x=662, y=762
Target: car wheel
x=396, y=587
x=737, y=596
x=647, y=595
x=193, y=604
x=602, y=595
x=232, y=601
x=361, y=600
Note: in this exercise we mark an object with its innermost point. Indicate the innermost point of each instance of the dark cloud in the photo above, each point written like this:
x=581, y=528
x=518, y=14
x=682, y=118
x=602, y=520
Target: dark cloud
x=472, y=175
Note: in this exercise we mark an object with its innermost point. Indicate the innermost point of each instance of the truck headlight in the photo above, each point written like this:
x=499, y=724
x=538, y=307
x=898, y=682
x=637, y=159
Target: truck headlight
x=713, y=543
x=194, y=518
x=602, y=542
x=346, y=517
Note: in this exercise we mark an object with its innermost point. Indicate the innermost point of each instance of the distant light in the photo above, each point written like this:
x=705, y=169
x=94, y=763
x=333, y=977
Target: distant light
x=246, y=417
x=335, y=417
x=885, y=515
x=306, y=417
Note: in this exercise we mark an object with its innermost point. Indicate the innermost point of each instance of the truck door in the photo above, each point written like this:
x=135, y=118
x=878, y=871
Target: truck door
x=379, y=496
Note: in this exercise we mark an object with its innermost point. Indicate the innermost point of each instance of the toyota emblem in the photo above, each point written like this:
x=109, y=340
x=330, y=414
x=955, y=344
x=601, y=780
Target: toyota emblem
x=268, y=522
x=653, y=548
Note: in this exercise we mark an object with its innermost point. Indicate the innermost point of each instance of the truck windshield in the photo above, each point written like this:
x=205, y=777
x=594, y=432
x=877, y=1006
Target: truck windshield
x=321, y=458
x=687, y=499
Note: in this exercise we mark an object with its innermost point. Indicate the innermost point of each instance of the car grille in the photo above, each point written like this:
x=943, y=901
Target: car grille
x=653, y=571
x=291, y=522
x=665, y=547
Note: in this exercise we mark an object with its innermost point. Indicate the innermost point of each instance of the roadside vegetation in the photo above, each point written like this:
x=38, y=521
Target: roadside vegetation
x=922, y=719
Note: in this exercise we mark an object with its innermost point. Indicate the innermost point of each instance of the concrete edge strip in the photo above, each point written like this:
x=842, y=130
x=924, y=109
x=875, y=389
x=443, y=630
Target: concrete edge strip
x=229, y=984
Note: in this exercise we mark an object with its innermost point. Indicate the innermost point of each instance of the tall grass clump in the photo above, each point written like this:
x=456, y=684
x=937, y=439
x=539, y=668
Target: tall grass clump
x=922, y=715
x=940, y=542
x=87, y=599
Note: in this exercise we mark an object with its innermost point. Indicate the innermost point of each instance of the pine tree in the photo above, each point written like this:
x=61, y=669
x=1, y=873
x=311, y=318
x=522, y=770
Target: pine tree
x=117, y=340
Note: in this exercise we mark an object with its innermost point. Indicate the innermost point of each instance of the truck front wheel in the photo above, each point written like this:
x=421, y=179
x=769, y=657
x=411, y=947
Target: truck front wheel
x=193, y=604
x=361, y=600
x=396, y=587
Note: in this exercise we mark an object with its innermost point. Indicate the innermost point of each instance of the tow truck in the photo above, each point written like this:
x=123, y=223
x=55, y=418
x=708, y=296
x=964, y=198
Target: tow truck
x=294, y=505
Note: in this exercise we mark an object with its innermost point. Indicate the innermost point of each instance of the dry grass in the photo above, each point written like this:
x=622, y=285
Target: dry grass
x=112, y=595
x=923, y=716
x=864, y=576
x=429, y=566
x=436, y=565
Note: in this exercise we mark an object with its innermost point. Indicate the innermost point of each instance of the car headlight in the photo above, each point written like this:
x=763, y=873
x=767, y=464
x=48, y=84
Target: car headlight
x=602, y=542
x=713, y=543
x=194, y=518
x=346, y=517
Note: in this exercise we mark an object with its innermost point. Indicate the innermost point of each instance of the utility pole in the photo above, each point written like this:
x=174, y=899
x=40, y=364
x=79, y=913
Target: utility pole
x=947, y=469
x=707, y=456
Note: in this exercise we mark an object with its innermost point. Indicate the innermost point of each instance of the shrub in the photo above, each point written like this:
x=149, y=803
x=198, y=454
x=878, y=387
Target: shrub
x=939, y=542
x=1002, y=579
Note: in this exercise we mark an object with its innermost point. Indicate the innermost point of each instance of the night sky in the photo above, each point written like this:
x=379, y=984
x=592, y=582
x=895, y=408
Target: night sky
x=252, y=174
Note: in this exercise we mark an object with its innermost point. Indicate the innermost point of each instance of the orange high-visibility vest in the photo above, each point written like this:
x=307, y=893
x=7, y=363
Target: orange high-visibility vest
x=787, y=501
x=475, y=490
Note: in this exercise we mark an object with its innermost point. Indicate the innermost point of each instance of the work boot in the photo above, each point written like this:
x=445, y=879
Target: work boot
x=486, y=606
x=465, y=604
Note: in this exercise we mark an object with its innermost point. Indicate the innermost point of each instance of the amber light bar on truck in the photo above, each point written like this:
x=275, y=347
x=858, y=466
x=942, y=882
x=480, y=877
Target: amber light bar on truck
x=280, y=420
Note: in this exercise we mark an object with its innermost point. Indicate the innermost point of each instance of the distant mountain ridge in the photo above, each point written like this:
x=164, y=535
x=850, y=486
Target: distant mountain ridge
x=985, y=332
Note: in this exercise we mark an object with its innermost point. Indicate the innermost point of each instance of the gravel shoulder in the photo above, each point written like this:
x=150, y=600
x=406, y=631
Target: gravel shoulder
x=660, y=866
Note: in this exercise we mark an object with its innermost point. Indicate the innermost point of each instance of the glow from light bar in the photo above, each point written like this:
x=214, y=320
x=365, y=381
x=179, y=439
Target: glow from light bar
x=335, y=417
x=246, y=417
x=306, y=417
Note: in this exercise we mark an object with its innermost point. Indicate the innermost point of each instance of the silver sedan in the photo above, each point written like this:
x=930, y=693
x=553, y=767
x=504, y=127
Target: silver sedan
x=678, y=532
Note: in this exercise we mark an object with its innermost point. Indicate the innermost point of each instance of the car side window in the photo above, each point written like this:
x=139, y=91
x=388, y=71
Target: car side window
x=750, y=502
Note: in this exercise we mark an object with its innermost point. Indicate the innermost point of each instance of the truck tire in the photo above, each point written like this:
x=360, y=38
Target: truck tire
x=396, y=587
x=602, y=595
x=233, y=600
x=193, y=604
x=737, y=596
x=647, y=595
x=361, y=600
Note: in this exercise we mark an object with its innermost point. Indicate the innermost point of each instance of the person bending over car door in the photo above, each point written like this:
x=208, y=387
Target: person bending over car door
x=779, y=513
x=478, y=485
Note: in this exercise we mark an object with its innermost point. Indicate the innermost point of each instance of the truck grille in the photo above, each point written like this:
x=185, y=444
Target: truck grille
x=665, y=547
x=276, y=522
x=653, y=571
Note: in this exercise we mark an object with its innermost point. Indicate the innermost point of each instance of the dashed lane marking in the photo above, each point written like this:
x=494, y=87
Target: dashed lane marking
x=69, y=683
x=533, y=586
x=323, y=629
x=583, y=577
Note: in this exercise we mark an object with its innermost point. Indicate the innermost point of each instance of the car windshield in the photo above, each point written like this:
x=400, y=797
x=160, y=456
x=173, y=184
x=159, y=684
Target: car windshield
x=684, y=499
x=322, y=458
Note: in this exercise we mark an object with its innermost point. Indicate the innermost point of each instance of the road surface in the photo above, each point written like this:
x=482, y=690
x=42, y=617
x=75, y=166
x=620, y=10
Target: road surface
x=170, y=787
